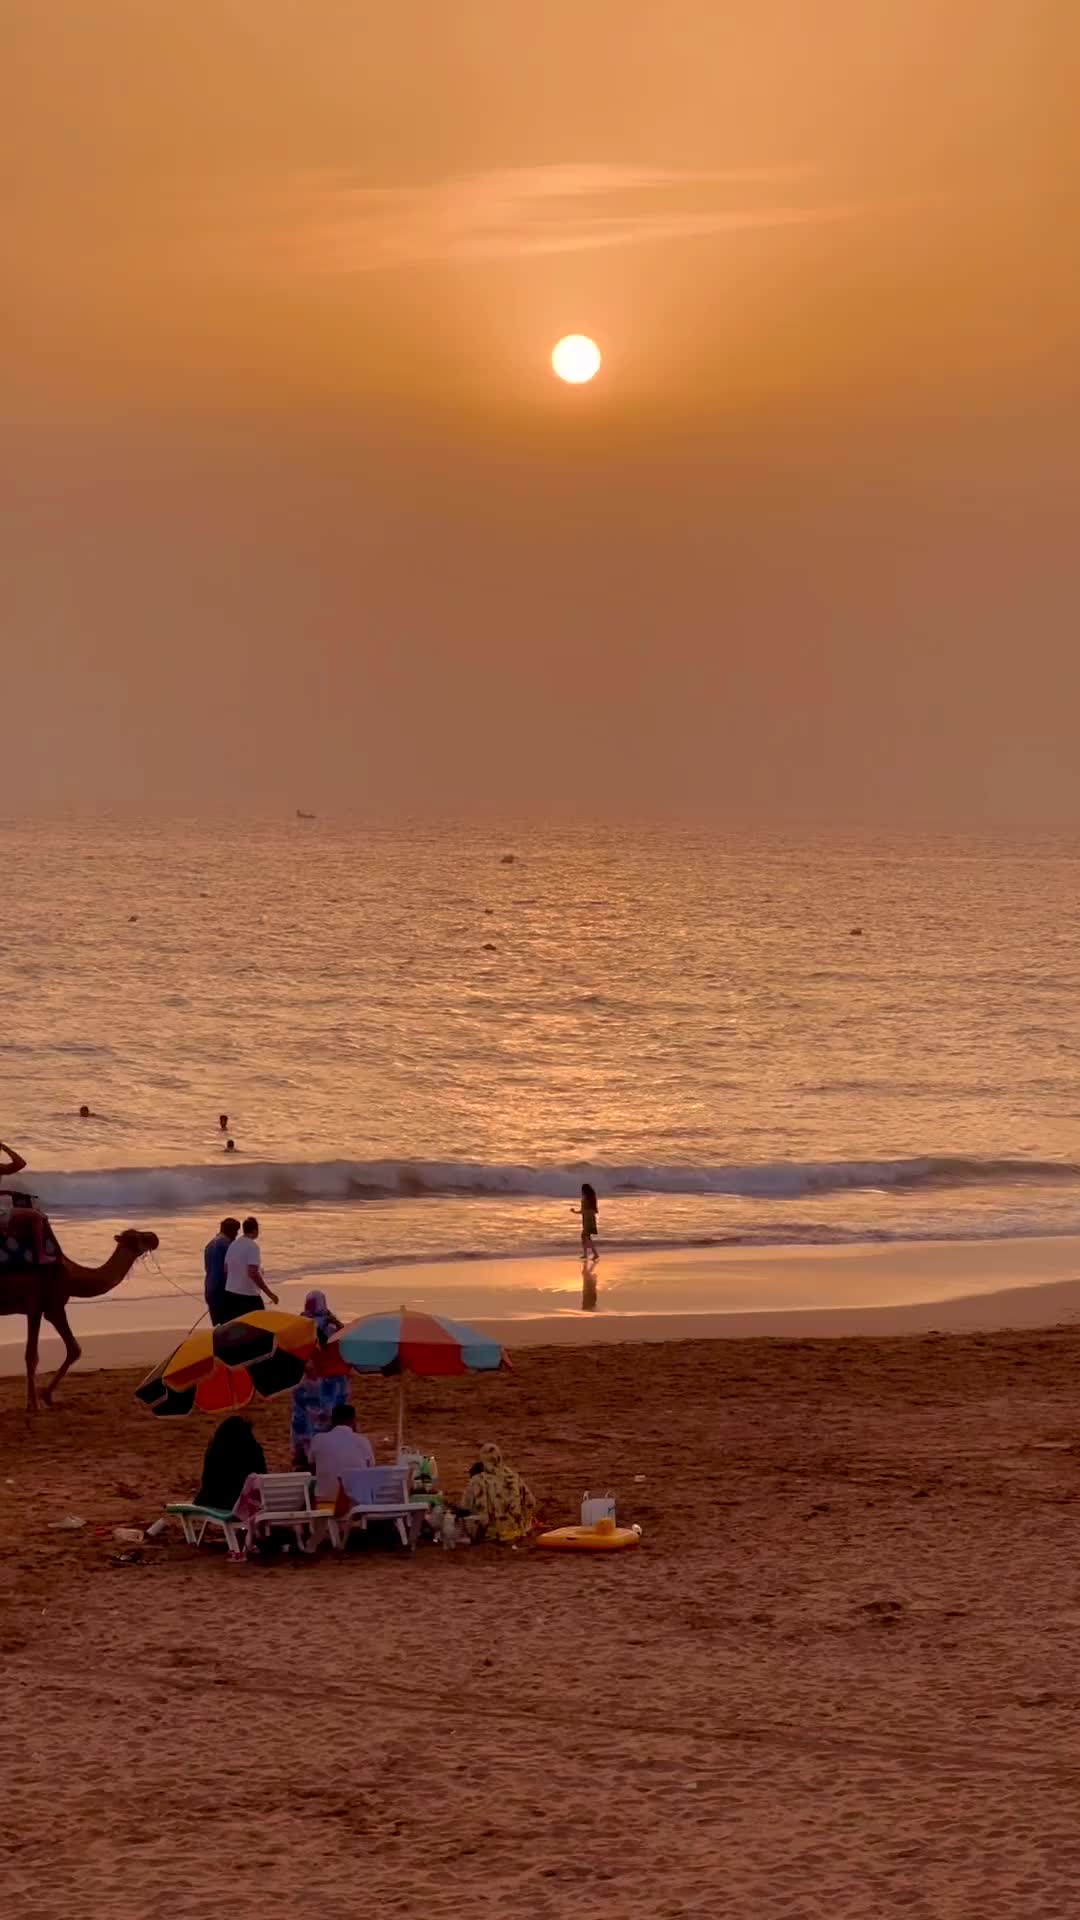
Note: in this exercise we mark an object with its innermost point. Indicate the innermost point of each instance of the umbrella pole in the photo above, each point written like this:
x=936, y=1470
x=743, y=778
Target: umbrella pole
x=400, y=1412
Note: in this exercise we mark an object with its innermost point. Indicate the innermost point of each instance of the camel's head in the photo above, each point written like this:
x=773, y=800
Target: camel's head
x=138, y=1242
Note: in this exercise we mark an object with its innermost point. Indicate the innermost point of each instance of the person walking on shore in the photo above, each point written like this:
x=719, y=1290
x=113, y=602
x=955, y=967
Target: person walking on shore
x=245, y=1283
x=589, y=1212
x=214, y=1254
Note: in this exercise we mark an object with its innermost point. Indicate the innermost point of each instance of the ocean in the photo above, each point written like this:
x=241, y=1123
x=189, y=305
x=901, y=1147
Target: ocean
x=426, y=1037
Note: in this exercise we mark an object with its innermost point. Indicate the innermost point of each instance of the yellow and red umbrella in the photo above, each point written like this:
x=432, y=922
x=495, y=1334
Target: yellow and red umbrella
x=220, y=1368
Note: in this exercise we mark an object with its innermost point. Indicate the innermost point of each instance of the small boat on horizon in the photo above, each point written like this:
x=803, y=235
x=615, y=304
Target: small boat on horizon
x=301, y=815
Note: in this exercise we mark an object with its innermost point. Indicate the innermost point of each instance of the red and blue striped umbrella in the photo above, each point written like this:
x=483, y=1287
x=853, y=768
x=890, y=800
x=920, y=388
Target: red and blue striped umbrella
x=424, y=1343
x=421, y=1343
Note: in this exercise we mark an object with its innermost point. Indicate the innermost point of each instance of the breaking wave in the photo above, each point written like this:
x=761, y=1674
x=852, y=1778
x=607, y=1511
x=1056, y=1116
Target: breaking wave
x=267, y=1182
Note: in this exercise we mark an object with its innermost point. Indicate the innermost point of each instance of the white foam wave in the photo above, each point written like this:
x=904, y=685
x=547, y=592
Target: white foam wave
x=155, y=1190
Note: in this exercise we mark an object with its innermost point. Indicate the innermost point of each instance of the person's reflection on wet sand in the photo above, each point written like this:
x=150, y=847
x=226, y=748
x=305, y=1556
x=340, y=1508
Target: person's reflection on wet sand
x=588, y=1286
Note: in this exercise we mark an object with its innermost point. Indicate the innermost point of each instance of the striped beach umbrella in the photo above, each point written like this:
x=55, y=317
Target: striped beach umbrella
x=405, y=1342
x=220, y=1368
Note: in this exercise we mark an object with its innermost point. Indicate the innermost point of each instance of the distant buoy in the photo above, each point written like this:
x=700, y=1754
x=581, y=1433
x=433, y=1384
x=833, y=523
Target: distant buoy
x=508, y=859
x=856, y=933
x=490, y=947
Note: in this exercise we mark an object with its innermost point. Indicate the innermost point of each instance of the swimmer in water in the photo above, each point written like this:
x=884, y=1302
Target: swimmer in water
x=223, y=1122
x=230, y=1146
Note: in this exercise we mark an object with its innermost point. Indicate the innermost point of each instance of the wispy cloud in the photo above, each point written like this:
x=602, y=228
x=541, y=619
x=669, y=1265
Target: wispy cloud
x=335, y=224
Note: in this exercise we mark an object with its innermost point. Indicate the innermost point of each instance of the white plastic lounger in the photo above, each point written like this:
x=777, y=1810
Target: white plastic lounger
x=288, y=1500
x=377, y=1493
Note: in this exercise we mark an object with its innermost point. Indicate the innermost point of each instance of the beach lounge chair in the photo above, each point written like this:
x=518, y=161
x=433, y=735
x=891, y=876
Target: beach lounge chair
x=195, y=1521
x=288, y=1500
x=376, y=1493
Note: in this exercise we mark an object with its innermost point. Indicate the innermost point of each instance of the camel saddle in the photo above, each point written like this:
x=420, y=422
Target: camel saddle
x=27, y=1241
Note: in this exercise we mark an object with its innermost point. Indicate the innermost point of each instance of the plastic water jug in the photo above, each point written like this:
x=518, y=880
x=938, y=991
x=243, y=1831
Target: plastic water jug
x=602, y=1508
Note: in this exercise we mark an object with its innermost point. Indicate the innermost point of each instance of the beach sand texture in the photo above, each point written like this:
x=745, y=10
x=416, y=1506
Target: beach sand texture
x=838, y=1679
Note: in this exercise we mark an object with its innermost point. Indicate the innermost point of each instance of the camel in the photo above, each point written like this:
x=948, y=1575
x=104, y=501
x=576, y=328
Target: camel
x=42, y=1293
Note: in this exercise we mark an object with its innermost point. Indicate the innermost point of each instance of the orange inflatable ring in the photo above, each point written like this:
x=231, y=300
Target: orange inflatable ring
x=605, y=1537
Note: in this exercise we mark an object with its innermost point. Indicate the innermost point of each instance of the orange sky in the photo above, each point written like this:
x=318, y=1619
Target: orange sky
x=282, y=280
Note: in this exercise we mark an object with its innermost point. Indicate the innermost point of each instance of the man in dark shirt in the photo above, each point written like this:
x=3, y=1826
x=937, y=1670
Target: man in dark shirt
x=214, y=1266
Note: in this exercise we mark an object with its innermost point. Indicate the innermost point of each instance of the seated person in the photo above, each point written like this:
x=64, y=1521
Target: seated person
x=233, y=1452
x=337, y=1452
x=28, y=1236
x=15, y=1161
x=496, y=1503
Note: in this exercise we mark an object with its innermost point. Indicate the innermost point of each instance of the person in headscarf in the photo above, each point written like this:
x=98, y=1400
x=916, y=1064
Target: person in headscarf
x=315, y=1308
x=231, y=1455
x=496, y=1503
x=314, y=1399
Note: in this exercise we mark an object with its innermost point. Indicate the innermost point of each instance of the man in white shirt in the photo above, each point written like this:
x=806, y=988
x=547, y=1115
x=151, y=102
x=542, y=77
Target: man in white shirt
x=338, y=1452
x=244, y=1282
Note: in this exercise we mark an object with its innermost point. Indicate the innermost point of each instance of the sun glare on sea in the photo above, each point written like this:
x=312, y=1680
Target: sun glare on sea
x=576, y=359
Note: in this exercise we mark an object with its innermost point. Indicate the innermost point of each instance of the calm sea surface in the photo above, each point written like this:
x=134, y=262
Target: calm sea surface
x=424, y=1046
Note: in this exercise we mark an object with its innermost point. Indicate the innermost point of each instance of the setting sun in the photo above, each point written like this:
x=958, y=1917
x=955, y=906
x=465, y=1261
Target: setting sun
x=576, y=359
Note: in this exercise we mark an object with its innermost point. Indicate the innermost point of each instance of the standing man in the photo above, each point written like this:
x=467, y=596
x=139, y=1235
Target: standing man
x=214, y=1268
x=244, y=1282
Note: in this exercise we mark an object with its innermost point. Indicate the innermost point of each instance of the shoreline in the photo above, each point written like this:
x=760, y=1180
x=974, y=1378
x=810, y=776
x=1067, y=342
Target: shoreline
x=826, y=1292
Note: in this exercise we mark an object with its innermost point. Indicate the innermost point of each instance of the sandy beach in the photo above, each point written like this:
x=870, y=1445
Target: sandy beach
x=834, y=1680
x=650, y=1294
